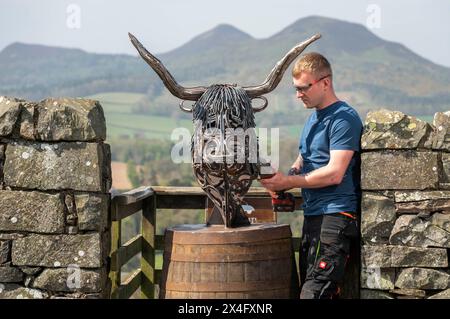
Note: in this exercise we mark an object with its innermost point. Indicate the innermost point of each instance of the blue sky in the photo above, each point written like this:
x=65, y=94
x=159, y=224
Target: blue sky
x=101, y=26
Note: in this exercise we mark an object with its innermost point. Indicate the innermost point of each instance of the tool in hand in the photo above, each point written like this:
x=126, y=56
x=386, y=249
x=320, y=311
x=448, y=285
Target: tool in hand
x=284, y=201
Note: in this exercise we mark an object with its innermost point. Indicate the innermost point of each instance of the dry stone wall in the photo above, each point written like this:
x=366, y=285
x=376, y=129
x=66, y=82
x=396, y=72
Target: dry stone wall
x=55, y=175
x=405, y=224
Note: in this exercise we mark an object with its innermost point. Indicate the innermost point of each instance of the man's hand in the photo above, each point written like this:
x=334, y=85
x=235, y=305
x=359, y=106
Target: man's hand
x=276, y=183
x=298, y=164
x=272, y=193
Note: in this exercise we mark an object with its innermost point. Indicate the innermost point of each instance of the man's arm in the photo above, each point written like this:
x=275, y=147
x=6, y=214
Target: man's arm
x=298, y=164
x=331, y=174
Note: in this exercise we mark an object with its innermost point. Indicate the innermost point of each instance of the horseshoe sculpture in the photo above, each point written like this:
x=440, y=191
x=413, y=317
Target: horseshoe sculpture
x=224, y=145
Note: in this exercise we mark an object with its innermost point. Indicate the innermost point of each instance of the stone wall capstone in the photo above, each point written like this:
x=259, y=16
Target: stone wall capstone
x=55, y=176
x=405, y=209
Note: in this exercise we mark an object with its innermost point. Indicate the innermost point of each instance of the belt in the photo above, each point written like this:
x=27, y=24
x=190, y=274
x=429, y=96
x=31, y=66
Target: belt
x=351, y=215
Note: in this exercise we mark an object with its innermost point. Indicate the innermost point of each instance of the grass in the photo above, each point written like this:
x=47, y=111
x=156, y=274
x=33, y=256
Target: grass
x=149, y=126
x=121, y=100
x=158, y=259
x=121, y=121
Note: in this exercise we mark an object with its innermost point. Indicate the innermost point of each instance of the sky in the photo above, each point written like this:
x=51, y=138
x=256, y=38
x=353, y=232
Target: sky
x=101, y=26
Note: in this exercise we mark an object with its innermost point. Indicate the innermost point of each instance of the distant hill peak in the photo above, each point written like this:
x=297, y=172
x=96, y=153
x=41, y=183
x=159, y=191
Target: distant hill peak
x=337, y=35
x=222, y=35
x=223, y=32
x=329, y=26
x=322, y=19
x=26, y=50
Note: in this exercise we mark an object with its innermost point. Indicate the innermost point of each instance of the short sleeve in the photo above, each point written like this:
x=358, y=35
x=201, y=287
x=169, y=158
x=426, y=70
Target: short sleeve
x=345, y=132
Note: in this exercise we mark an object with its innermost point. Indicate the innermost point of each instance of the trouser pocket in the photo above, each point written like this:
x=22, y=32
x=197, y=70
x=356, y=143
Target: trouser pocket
x=335, y=235
x=351, y=231
x=330, y=267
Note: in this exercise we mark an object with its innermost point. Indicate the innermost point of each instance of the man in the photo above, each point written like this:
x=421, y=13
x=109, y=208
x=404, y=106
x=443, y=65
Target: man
x=328, y=164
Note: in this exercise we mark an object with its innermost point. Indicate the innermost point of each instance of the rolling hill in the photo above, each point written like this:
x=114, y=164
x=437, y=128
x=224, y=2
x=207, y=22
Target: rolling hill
x=369, y=71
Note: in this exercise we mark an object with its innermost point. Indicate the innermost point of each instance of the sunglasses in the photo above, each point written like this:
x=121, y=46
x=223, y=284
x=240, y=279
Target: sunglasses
x=305, y=88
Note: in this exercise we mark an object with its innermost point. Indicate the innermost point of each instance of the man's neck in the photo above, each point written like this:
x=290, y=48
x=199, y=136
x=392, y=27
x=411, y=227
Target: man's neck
x=327, y=102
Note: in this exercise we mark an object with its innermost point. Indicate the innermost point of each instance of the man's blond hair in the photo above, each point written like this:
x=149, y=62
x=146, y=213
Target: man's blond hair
x=314, y=63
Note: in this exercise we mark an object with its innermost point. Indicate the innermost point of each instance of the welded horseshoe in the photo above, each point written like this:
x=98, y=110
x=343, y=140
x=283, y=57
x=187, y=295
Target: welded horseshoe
x=185, y=109
x=259, y=109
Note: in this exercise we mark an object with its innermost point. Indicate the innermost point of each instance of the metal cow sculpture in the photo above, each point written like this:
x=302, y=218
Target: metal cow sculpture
x=223, y=132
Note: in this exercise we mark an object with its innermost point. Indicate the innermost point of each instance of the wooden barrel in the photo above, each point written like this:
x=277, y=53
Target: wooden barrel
x=215, y=262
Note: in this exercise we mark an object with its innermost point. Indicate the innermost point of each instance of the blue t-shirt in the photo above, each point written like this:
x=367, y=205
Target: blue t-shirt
x=336, y=127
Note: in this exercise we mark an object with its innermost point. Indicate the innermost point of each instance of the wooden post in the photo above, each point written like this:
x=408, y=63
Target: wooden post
x=148, y=247
x=116, y=233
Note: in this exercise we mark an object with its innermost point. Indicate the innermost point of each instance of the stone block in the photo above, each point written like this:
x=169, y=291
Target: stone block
x=67, y=119
x=415, y=196
x=378, y=278
x=54, y=251
x=71, y=279
x=31, y=271
x=11, y=236
x=2, y=158
x=77, y=166
x=107, y=173
x=441, y=221
x=27, y=127
x=2, y=154
x=422, y=278
x=9, y=114
x=399, y=170
x=386, y=129
x=388, y=256
x=14, y=291
x=411, y=230
x=10, y=274
x=445, y=175
x=92, y=211
x=31, y=211
x=5, y=251
x=441, y=123
x=422, y=201
x=434, y=205
x=79, y=295
x=441, y=295
x=409, y=293
x=377, y=218
x=374, y=294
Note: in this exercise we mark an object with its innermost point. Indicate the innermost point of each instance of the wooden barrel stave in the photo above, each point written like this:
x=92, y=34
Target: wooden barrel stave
x=216, y=263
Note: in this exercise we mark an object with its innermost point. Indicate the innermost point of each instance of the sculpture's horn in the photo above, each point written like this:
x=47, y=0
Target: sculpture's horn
x=274, y=77
x=192, y=94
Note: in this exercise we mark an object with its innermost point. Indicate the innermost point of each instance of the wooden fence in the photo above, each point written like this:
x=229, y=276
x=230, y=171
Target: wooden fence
x=147, y=201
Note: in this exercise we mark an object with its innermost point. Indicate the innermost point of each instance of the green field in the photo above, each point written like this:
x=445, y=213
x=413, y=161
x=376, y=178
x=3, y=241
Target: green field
x=121, y=122
x=119, y=99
